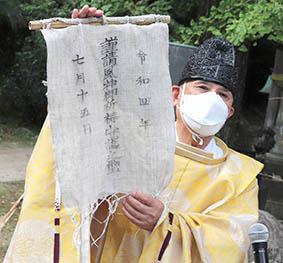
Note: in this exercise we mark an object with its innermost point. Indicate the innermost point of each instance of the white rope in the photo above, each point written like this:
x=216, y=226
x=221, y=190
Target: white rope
x=57, y=196
x=103, y=21
x=157, y=18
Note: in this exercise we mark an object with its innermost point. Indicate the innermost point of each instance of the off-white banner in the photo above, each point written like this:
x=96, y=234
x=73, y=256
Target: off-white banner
x=110, y=108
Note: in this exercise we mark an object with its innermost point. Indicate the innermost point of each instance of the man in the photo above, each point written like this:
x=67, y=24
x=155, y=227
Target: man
x=213, y=200
x=203, y=214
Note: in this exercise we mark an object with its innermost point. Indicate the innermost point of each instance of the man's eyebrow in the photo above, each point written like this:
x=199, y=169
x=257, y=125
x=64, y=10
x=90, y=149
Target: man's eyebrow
x=200, y=82
x=224, y=89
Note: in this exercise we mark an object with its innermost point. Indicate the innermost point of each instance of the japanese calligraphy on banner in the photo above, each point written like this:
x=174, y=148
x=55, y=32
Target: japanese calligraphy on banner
x=110, y=108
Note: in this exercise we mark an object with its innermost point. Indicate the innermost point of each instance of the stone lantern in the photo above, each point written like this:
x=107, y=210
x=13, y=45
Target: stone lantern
x=274, y=117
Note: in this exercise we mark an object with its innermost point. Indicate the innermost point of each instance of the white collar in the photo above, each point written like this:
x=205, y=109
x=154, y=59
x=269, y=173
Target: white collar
x=211, y=147
x=214, y=148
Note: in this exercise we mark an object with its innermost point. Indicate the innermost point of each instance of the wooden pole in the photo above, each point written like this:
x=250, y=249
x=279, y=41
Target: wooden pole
x=8, y=215
x=58, y=22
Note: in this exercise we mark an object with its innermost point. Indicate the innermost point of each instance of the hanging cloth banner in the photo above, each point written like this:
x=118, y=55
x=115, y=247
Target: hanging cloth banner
x=110, y=109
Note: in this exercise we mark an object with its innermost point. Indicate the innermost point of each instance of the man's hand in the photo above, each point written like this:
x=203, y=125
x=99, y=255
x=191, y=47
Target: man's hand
x=142, y=209
x=86, y=11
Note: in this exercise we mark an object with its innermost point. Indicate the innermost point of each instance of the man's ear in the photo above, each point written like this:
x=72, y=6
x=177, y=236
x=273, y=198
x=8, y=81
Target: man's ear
x=231, y=112
x=175, y=94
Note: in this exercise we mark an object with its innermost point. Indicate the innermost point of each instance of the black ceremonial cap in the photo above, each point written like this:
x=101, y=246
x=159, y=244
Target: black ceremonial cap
x=213, y=61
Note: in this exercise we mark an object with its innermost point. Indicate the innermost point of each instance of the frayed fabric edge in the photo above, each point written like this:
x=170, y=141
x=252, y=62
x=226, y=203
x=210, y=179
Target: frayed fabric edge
x=83, y=238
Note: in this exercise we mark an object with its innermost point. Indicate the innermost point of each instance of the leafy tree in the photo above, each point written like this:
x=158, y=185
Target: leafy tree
x=11, y=22
x=21, y=90
x=242, y=22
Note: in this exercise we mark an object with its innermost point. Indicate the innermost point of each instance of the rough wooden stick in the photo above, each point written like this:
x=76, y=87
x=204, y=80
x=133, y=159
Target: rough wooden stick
x=58, y=22
x=9, y=214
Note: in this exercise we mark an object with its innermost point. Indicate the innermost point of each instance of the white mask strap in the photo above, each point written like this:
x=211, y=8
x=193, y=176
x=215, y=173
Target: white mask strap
x=195, y=136
x=183, y=91
x=183, y=87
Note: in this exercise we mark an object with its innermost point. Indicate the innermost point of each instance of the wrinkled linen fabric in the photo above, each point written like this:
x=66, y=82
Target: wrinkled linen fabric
x=110, y=109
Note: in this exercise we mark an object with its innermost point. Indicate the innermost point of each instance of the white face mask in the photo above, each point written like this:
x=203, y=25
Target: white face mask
x=205, y=113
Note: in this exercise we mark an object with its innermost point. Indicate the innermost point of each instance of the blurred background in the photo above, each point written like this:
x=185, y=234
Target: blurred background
x=254, y=27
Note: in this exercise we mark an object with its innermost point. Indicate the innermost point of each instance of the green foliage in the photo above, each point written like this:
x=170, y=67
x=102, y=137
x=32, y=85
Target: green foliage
x=11, y=25
x=131, y=7
x=21, y=91
x=242, y=22
x=179, y=10
x=10, y=14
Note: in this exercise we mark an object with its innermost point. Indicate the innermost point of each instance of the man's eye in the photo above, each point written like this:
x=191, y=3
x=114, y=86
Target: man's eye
x=224, y=95
x=202, y=87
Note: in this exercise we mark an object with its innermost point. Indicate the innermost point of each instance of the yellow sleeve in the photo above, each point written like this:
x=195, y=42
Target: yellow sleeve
x=216, y=235
x=33, y=239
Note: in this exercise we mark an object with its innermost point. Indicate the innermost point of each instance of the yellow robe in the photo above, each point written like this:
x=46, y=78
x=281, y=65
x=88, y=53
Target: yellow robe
x=211, y=203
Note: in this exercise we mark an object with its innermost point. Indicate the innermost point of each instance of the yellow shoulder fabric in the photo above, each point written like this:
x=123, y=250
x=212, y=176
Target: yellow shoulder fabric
x=210, y=210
